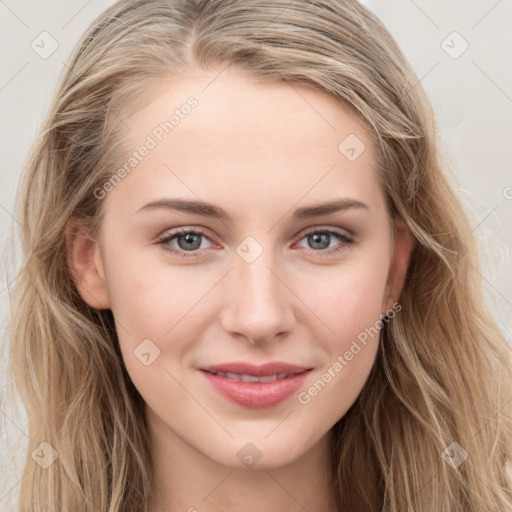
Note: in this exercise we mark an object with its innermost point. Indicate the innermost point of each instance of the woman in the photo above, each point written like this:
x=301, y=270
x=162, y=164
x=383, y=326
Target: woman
x=322, y=344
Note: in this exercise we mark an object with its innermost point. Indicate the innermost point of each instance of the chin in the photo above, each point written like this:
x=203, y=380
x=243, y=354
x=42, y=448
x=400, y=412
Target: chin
x=257, y=452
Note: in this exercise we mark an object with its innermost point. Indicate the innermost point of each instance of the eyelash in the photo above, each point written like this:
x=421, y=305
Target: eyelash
x=345, y=241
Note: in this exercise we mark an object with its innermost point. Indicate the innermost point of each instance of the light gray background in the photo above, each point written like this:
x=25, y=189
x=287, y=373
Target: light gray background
x=472, y=95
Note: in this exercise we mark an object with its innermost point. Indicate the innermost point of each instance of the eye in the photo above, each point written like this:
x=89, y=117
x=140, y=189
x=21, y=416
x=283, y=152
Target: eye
x=189, y=241
x=320, y=240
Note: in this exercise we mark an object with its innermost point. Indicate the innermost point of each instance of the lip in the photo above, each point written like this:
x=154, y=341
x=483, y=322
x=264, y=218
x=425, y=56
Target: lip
x=256, y=395
x=251, y=369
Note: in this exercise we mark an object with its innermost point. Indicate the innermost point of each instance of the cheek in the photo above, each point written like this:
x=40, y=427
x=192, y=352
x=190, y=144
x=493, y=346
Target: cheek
x=153, y=309
x=153, y=322
x=349, y=297
x=349, y=304
x=148, y=296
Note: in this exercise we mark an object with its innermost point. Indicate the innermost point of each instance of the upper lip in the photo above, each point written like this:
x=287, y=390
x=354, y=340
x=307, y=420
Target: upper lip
x=242, y=368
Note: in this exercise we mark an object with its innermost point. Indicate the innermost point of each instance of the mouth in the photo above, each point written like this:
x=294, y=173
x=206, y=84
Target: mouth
x=244, y=377
x=256, y=387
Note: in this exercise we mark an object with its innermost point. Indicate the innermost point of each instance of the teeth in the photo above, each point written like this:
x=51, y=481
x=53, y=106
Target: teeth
x=252, y=378
x=268, y=378
x=249, y=378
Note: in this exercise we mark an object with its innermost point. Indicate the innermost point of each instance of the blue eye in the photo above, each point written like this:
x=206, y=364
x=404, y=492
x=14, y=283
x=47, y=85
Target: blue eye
x=321, y=238
x=189, y=237
x=190, y=241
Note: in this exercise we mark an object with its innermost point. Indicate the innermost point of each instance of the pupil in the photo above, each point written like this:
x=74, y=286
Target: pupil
x=189, y=239
x=317, y=239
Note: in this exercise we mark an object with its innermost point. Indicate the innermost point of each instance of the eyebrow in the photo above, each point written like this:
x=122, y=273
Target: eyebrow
x=217, y=212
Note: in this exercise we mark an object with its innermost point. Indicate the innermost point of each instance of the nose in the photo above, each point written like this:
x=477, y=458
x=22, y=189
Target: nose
x=259, y=304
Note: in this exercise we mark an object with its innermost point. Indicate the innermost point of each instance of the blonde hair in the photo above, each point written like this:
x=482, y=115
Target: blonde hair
x=443, y=370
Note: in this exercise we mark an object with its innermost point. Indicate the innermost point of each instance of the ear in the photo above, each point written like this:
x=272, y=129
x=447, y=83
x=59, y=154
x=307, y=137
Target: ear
x=403, y=245
x=86, y=266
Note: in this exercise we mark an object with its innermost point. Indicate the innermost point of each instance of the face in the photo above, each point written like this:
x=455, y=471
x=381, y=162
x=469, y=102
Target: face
x=214, y=256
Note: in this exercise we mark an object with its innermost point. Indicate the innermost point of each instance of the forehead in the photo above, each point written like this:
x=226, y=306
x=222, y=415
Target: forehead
x=222, y=136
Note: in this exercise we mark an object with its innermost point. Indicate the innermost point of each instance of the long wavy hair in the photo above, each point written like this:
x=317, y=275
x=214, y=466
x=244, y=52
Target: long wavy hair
x=439, y=386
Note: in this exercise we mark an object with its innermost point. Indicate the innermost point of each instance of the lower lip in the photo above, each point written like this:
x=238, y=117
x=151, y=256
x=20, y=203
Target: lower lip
x=256, y=395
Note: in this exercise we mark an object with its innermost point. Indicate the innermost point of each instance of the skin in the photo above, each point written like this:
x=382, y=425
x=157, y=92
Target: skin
x=259, y=151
